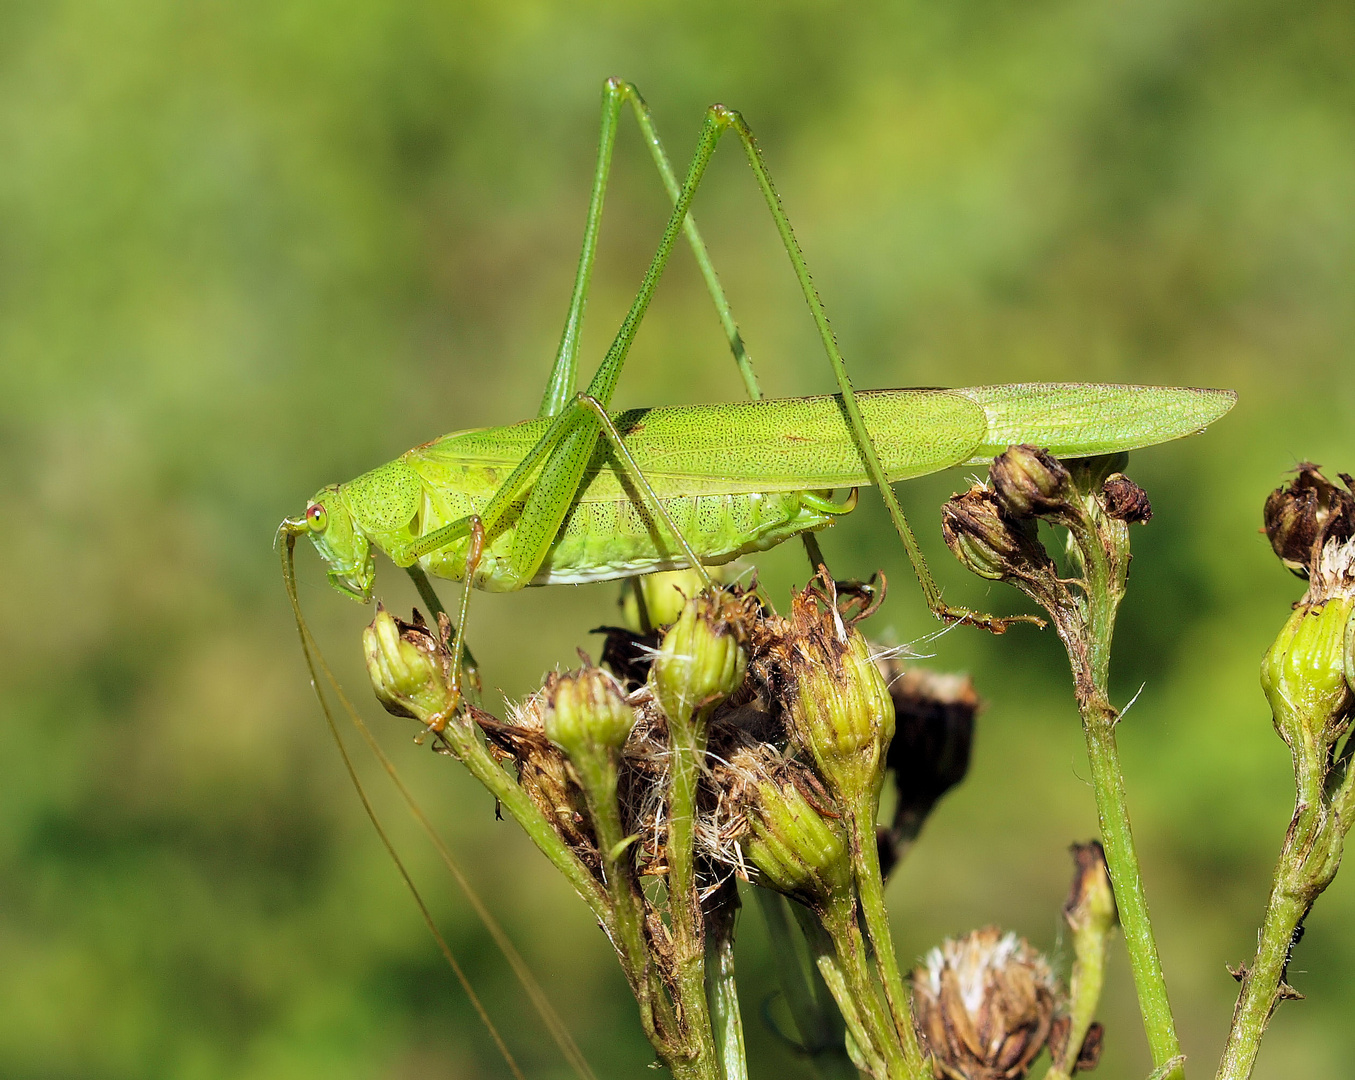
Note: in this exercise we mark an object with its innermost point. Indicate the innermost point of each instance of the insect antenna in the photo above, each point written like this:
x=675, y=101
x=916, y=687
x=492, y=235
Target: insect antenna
x=315, y=663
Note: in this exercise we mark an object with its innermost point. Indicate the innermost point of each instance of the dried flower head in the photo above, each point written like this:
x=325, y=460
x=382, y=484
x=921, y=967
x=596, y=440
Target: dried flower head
x=988, y=541
x=984, y=1005
x=933, y=734
x=1303, y=515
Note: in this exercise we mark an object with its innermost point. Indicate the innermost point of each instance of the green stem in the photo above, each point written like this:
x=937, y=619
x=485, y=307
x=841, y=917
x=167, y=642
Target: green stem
x=721, y=989
x=687, y=746
x=1307, y=865
x=870, y=884
x=1098, y=723
x=461, y=737
x=598, y=778
x=817, y=1019
x=863, y=1000
x=1104, y=547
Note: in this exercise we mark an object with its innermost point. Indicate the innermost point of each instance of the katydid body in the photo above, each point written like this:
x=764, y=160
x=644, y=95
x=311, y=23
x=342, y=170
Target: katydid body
x=733, y=478
x=582, y=494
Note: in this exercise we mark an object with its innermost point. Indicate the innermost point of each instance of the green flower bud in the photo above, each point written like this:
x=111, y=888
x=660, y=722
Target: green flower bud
x=409, y=670
x=1028, y=481
x=702, y=657
x=837, y=704
x=1304, y=675
x=988, y=542
x=586, y=712
x=794, y=847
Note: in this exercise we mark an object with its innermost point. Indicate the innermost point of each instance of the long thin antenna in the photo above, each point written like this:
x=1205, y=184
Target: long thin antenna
x=315, y=659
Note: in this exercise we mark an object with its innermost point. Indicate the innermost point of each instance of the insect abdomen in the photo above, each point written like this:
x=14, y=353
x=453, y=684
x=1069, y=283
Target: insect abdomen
x=600, y=541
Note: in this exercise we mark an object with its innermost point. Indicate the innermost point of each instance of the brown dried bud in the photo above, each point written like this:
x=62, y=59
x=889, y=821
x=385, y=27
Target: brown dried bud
x=1028, y=481
x=985, y=1005
x=1091, y=900
x=1125, y=500
x=987, y=541
x=1304, y=514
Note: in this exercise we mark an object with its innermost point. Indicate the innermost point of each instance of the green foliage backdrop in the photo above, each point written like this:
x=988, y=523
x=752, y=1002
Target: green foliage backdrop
x=250, y=248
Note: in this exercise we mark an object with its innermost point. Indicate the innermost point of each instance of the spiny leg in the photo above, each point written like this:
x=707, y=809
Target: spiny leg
x=723, y=118
x=560, y=387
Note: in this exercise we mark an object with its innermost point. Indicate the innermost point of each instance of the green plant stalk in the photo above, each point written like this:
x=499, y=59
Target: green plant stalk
x=460, y=736
x=721, y=989
x=687, y=745
x=817, y=1018
x=870, y=885
x=1308, y=863
x=1090, y=661
x=1091, y=947
x=862, y=998
x=598, y=777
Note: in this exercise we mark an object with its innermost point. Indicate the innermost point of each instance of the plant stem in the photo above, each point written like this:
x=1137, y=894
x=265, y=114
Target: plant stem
x=1307, y=865
x=687, y=744
x=721, y=989
x=1098, y=722
x=870, y=884
x=817, y=1018
x=460, y=735
x=597, y=774
x=1105, y=557
x=863, y=999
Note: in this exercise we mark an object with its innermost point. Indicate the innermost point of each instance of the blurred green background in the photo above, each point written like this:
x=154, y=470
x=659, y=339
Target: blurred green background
x=250, y=248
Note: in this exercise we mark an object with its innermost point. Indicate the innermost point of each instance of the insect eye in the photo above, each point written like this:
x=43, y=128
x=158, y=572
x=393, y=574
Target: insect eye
x=316, y=517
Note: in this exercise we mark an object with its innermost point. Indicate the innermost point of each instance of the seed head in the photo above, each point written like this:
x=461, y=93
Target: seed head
x=985, y=1005
x=1028, y=481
